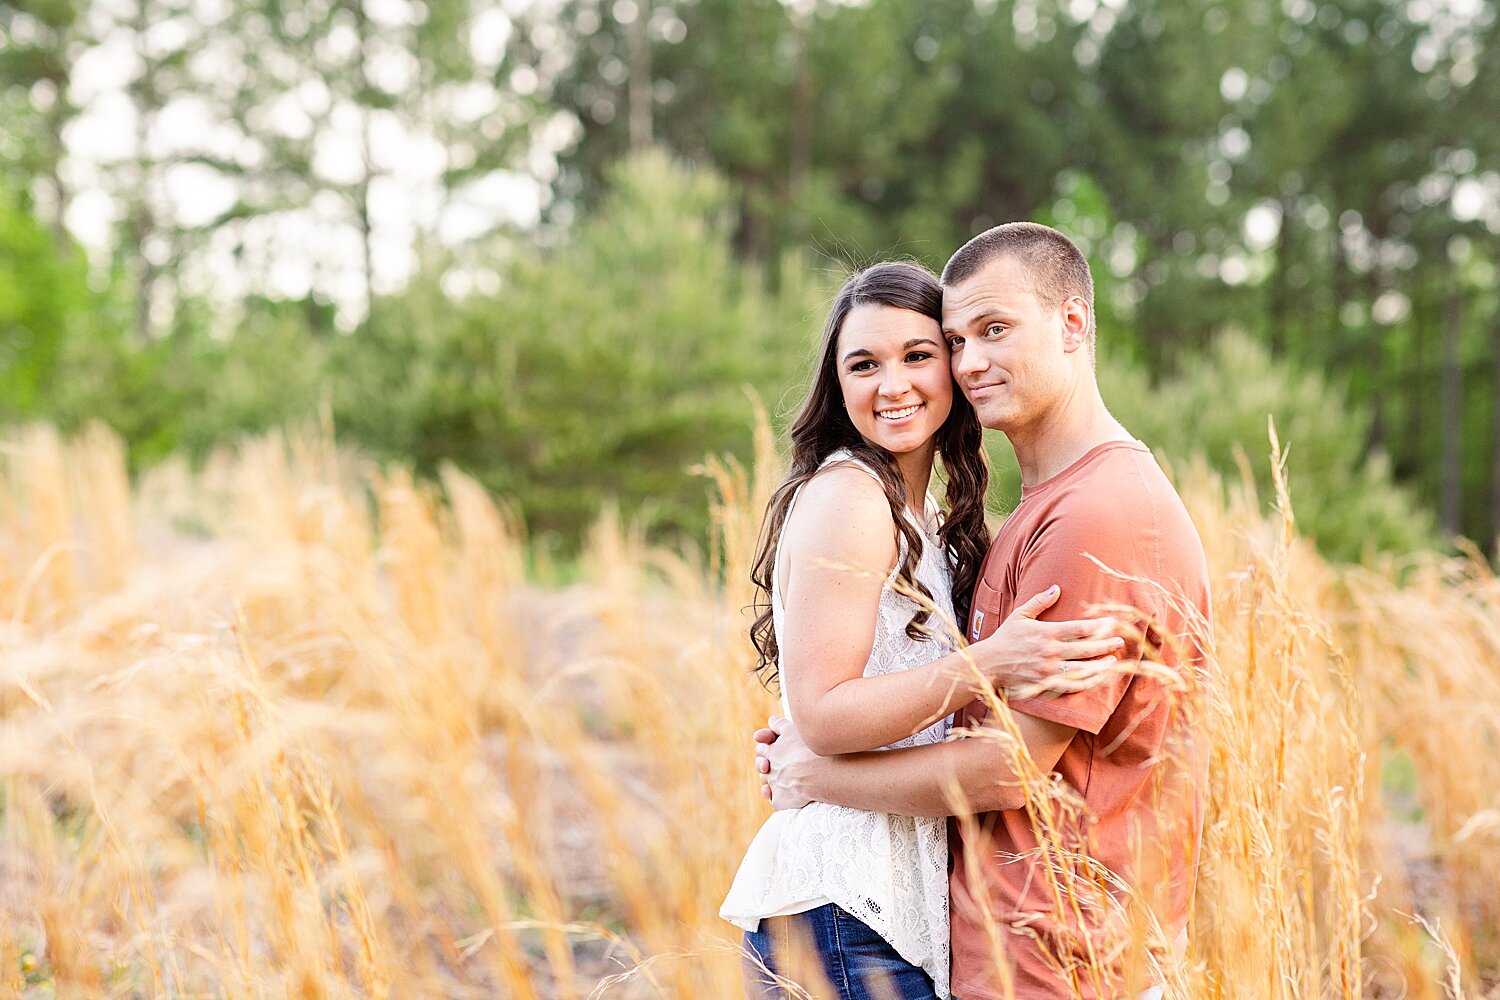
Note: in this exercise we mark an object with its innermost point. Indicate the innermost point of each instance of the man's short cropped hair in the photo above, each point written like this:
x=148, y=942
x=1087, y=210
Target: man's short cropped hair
x=1054, y=267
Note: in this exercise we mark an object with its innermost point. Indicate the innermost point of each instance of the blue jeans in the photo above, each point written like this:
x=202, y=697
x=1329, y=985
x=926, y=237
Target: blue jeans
x=832, y=955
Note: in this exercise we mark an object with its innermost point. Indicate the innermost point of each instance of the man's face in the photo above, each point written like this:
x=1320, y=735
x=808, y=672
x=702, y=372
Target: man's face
x=1008, y=348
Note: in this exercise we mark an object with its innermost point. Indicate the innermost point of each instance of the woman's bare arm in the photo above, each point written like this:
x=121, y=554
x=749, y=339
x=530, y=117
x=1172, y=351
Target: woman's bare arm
x=838, y=548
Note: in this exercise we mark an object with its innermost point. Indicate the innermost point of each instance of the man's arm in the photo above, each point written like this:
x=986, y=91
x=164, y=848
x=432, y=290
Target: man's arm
x=973, y=774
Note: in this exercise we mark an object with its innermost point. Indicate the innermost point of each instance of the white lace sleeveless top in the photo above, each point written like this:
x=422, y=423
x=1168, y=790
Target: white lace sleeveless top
x=889, y=871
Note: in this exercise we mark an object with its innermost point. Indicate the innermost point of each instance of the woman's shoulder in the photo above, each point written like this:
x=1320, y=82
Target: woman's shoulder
x=844, y=484
x=841, y=507
x=843, y=458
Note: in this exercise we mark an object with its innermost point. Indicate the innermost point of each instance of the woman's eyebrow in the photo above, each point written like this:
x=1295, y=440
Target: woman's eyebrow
x=865, y=352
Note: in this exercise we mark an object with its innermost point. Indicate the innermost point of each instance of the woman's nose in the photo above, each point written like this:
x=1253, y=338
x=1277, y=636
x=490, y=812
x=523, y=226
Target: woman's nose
x=893, y=382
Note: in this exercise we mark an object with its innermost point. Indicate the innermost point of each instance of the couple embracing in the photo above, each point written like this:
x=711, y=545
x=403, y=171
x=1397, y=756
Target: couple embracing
x=1013, y=812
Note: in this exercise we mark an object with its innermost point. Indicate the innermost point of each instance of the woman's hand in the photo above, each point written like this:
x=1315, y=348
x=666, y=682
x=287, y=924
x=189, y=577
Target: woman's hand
x=1026, y=656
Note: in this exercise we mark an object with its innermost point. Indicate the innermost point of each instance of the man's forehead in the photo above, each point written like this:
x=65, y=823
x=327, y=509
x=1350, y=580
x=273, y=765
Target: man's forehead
x=1001, y=282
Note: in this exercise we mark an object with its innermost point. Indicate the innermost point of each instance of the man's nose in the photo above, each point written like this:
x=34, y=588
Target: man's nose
x=968, y=361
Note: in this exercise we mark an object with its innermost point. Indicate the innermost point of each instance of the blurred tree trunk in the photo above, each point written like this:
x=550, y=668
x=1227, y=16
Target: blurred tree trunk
x=143, y=223
x=799, y=137
x=1493, y=529
x=1377, y=356
x=641, y=83
x=364, y=101
x=1450, y=470
x=1281, y=292
x=38, y=49
x=62, y=112
x=1379, y=378
x=1410, y=463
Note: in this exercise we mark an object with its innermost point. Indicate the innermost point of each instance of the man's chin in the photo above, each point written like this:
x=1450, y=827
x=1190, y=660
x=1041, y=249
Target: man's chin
x=993, y=420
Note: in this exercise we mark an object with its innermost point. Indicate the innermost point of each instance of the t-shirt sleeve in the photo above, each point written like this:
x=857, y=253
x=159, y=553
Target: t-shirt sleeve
x=1064, y=553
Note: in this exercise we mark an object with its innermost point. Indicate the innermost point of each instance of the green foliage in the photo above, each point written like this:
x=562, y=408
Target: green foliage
x=271, y=373
x=1319, y=175
x=44, y=295
x=67, y=356
x=1216, y=404
x=876, y=129
x=603, y=368
x=63, y=354
x=1300, y=171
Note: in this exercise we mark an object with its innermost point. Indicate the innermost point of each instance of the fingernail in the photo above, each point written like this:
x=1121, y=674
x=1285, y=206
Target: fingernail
x=1118, y=643
x=1052, y=590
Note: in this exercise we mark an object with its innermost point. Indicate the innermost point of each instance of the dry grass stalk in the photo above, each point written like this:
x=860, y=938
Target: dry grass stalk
x=330, y=742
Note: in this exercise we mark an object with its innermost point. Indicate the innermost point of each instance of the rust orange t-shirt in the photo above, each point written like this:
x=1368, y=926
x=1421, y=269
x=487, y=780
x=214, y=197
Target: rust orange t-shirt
x=1131, y=839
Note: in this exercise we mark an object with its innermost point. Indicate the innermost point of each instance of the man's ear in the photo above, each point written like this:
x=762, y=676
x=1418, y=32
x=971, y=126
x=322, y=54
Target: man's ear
x=1077, y=318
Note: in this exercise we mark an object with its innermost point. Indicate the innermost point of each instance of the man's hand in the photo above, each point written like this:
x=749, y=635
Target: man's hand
x=765, y=736
x=783, y=760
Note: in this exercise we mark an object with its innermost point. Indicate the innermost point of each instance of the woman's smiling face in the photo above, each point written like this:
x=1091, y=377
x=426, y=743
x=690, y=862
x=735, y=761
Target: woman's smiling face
x=893, y=371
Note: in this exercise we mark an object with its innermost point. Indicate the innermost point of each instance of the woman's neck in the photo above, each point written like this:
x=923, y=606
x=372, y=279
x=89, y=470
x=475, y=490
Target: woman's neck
x=916, y=471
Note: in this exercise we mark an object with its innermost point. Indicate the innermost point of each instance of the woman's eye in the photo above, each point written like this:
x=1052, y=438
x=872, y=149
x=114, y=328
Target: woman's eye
x=862, y=366
x=916, y=356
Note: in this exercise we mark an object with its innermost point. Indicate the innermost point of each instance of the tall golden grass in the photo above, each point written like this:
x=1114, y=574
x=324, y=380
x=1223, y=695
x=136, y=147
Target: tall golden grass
x=293, y=725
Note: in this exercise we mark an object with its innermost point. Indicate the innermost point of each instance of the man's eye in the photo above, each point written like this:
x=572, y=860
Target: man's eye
x=954, y=343
x=994, y=330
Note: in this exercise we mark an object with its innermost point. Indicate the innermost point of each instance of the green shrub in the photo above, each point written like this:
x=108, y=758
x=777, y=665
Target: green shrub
x=603, y=368
x=1218, y=401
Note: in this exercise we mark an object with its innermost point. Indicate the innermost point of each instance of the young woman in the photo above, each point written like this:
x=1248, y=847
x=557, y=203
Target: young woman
x=861, y=579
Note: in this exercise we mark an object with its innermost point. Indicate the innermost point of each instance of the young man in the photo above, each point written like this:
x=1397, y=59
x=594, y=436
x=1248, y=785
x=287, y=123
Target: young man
x=1055, y=887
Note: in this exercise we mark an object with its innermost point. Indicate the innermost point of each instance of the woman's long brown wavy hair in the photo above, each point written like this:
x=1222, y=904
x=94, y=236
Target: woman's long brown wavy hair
x=823, y=427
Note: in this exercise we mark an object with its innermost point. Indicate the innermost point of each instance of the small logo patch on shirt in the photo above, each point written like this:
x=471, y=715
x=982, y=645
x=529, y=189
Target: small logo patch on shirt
x=978, y=624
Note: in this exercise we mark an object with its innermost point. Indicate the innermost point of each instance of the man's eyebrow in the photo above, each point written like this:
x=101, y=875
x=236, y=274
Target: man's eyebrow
x=979, y=317
x=988, y=314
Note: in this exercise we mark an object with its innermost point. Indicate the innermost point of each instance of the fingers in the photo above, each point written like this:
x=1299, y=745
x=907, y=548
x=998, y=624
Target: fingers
x=1036, y=605
x=1083, y=628
x=1080, y=676
x=1086, y=628
x=763, y=740
x=763, y=769
x=1053, y=687
x=1087, y=675
x=1092, y=649
x=775, y=726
